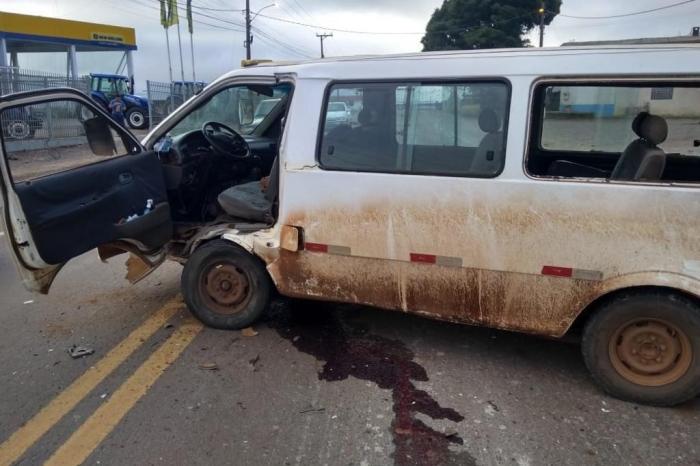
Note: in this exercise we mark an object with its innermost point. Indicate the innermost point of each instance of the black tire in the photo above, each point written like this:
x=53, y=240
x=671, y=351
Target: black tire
x=241, y=286
x=136, y=118
x=644, y=347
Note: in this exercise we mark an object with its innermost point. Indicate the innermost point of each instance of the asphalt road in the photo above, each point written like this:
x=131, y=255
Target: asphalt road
x=318, y=384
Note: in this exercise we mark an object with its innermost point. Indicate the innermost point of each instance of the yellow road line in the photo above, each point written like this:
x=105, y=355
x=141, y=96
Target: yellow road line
x=106, y=417
x=20, y=441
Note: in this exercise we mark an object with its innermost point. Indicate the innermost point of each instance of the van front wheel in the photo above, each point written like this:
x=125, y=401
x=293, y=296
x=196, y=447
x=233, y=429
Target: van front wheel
x=224, y=286
x=645, y=347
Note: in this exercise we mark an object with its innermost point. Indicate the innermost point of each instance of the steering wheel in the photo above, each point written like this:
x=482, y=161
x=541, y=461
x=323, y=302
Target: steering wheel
x=225, y=140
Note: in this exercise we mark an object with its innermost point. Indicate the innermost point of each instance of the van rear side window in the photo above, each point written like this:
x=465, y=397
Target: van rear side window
x=626, y=132
x=452, y=129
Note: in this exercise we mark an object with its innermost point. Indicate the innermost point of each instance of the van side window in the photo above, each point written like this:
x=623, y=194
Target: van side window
x=452, y=129
x=620, y=132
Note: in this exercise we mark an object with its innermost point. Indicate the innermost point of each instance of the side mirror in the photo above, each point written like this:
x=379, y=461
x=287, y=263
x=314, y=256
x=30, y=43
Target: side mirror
x=99, y=136
x=245, y=112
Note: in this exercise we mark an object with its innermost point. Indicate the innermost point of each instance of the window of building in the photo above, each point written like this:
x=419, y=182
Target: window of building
x=630, y=132
x=662, y=93
x=453, y=129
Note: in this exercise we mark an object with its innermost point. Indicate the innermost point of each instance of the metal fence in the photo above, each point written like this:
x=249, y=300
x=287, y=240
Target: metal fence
x=18, y=80
x=47, y=125
x=164, y=98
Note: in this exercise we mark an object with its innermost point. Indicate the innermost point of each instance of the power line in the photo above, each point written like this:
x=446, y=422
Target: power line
x=265, y=37
x=673, y=5
x=274, y=41
x=199, y=21
x=348, y=31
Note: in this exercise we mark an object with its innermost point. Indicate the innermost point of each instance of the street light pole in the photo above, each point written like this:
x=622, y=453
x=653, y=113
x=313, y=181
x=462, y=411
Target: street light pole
x=541, y=12
x=248, y=38
x=248, y=25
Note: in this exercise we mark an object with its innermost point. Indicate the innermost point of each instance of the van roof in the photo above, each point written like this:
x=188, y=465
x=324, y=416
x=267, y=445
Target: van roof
x=630, y=59
x=584, y=48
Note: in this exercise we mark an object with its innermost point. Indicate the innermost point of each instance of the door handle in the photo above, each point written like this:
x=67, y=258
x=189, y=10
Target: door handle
x=125, y=178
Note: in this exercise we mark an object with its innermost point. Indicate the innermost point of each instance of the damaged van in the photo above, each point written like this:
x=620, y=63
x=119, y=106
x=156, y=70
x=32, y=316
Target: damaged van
x=546, y=191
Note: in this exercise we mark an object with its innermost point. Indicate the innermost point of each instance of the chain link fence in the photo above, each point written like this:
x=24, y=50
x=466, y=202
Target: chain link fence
x=164, y=98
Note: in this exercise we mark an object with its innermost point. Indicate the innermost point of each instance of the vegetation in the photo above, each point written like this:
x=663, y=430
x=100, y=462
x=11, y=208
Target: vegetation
x=484, y=24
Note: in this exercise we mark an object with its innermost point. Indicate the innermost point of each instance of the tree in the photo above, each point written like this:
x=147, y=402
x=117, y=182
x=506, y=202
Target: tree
x=485, y=24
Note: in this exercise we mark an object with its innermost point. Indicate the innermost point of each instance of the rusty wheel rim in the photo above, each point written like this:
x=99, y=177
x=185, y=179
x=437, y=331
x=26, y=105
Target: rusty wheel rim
x=225, y=288
x=650, y=352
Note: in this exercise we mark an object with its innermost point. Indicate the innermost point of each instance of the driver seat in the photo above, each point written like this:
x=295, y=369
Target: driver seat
x=247, y=201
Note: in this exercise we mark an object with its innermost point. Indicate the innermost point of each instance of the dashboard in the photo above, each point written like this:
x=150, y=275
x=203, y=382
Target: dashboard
x=191, y=151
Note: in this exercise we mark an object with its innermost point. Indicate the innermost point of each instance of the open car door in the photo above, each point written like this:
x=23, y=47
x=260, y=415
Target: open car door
x=74, y=180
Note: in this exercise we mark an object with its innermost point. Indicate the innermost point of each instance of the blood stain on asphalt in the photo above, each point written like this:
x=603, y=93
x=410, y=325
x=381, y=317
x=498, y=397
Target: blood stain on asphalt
x=348, y=349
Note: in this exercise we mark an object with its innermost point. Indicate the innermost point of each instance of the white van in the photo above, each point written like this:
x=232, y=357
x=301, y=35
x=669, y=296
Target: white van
x=544, y=191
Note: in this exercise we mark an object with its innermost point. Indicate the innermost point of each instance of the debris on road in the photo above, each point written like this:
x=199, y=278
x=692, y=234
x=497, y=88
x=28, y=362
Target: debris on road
x=249, y=332
x=253, y=363
x=29, y=301
x=77, y=352
x=209, y=366
x=311, y=409
x=169, y=325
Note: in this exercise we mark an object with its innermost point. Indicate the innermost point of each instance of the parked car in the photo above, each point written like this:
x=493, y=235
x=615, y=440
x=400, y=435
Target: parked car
x=337, y=114
x=507, y=212
x=21, y=123
x=104, y=87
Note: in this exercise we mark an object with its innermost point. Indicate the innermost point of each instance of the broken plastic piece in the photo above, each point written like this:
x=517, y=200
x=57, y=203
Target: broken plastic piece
x=249, y=332
x=209, y=366
x=77, y=352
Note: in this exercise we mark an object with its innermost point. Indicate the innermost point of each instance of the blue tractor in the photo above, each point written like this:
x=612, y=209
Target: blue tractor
x=104, y=87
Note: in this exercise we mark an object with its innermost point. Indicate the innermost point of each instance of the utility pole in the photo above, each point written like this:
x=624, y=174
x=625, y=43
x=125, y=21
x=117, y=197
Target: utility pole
x=323, y=37
x=248, y=35
x=541, y=11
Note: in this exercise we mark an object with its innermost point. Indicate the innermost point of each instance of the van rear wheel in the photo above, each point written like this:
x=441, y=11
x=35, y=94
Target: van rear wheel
x=645, y=347
x=224, y=286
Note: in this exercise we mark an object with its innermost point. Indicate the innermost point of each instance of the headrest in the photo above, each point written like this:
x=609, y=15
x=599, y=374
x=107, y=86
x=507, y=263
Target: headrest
x=651, y=128
x=489, y=122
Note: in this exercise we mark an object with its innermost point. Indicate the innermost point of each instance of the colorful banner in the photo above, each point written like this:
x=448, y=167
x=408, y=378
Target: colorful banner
x=189, y=16
x=168, y=13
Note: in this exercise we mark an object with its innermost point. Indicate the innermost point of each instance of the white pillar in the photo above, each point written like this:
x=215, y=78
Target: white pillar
x=3, y=51
x=130, y=68
x=73, y=62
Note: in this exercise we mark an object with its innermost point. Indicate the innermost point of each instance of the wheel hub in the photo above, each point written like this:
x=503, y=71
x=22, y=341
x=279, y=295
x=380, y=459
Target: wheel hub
x=226, y=287
x=650, y=352
x=18, y=130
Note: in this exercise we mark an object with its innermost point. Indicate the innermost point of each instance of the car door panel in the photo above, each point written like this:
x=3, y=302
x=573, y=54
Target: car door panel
x=72, y=212
x=79, y=182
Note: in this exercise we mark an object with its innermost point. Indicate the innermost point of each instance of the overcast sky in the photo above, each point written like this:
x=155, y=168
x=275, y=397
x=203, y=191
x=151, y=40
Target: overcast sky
x=219, y=44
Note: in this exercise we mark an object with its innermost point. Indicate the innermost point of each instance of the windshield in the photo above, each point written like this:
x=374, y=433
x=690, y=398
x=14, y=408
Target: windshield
x=122, y=86
x=336, y=107
x=242, y=108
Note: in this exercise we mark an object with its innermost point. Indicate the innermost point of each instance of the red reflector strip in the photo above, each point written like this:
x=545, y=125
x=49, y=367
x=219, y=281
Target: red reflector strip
x=423, y=258
x=316, y=247
x=555, y=271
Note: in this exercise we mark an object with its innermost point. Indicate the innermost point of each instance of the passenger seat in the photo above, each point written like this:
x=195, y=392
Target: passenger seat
x=488, y=158
x=248, y=201
x=643, y=159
